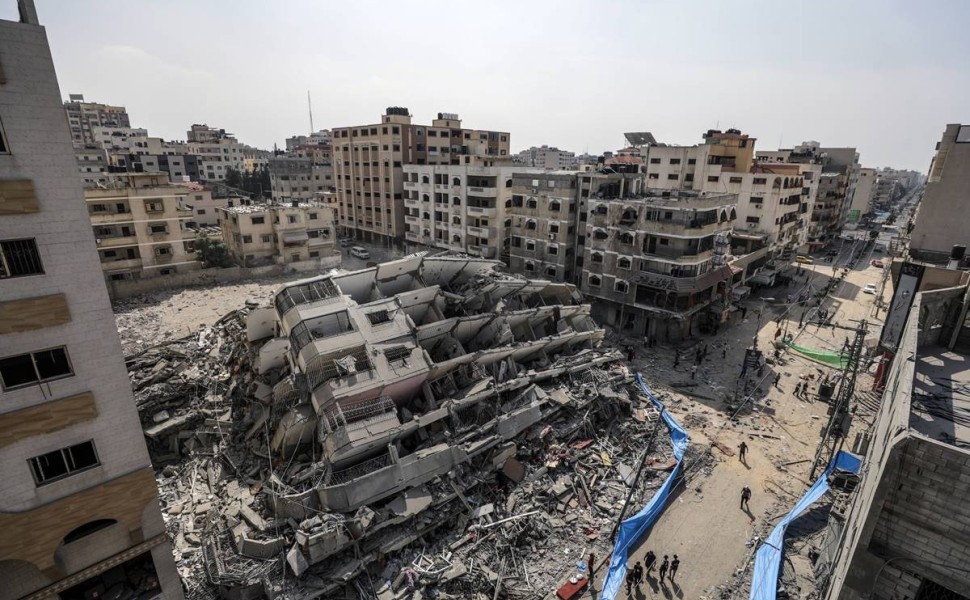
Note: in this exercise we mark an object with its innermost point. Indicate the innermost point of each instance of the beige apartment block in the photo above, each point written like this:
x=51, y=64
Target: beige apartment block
x=774, y=199
x=942, y=220
x=658, y=260
x=864, y=193
x=297, y=178
x=368, y=161
x=139, y=223
x=299, y=232
x=85, y=117
x=458, y=207
x=79, y=510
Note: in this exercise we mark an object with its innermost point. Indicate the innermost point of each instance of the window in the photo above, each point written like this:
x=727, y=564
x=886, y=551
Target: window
x=247, y=239
x=654, y=161
x=19, y=258
x=291, y=219
x=379, y=316
x=596, y=257
x=34, y=367
x=64, y=462
x=530, y=266
x=200, y=211
x=399, y=354
x=624, y=263
x=675, y=161
x=713, y=178
x=692, y=161
x=672, y=176
x=551, y=271
x=554, y=228
x=530, y=224
x=594, y=281
x=735, y=180
x=621, y=287
x=158, y=229
x=530, y=245
x=552, y=249
x=554, y=205
x=531, y=203
x=653, y=176
x=753, y=220
x=312, y=216
x=265, y=238
x=258, y=220
x=759, y=180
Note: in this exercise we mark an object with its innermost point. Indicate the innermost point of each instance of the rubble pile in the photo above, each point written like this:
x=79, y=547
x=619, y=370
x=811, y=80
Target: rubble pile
x=513, y=459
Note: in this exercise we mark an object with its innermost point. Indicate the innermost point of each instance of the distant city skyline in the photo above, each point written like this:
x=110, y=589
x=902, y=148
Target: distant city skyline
x=884, y=78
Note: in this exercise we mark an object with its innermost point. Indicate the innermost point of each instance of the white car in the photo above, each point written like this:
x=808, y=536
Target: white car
x=870, y=288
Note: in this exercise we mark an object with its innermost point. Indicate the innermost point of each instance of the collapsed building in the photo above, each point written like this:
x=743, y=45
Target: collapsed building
x=431, y=401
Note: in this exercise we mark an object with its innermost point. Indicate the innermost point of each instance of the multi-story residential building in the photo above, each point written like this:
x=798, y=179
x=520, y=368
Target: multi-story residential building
x=280, y=233
x=294, y=178
x=205, y=204
x=139, y=222
x=79, y=508
x=941, y=221
x=906, y=532
x=84, y=117
x=656, y=259
x=865, y=191
x=324, y=137
x=458, y=207
x=774, y=198
x=368, y=162
x=546, y=157
x=219, y=151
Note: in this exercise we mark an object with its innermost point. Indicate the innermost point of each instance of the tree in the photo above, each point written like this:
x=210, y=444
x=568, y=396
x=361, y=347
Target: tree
x=212, y=252
x=233, y=178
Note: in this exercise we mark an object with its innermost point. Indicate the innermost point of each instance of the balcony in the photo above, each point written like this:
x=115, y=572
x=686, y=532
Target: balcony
x=120, y=264
x=116, y=241
x=412, y=236
x=482, y=232
x=691, y=256
x=412, y=202
x=484, y=192
x=412, y=219
x=101, y=218
x=483, y=212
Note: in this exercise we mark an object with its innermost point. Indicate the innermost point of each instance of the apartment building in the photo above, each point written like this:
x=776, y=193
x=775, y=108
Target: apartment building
x=941, y=221
x=324, y=137
x=657, y=260
x=546, y=157
x=79, y=507
x=205, y=204
x=774, y=199
x=296, y=178
x=280, y=233
x=906, y=533
x=543, y=225
x=458, y=207
x=368, y=165
x=139, y=222
x=85, y=117
x=865, y=191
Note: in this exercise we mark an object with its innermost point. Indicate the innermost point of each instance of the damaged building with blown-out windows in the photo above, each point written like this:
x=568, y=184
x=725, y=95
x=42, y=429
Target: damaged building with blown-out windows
x=379, y=399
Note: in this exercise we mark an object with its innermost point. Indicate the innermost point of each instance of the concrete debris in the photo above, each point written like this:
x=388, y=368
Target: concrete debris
x=478, y=440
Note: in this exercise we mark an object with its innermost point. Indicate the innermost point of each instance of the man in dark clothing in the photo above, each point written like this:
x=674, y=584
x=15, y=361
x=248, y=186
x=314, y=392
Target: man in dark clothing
x=744, y=311
x=638, y=574
x=651, y=560
x=742, y=451
x=676, y=358
x=630, y=581
x=777, y=379
x=663, y=567
x=724, y=352
x=674, y=565
x=745, y=496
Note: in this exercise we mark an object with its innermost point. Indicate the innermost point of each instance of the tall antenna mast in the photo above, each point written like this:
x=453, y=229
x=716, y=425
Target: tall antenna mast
x=309, y=106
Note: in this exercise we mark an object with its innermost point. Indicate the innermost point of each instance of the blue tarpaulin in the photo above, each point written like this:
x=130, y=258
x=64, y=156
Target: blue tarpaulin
x=767, y=560
x=632, y=529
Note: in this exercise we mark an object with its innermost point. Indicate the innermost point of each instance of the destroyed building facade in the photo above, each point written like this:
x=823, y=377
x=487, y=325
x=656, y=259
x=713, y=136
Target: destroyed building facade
x=657, y=259
x=79, y=511
x=907, y=531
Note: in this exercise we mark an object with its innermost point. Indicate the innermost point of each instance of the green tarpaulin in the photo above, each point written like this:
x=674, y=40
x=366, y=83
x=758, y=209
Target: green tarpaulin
x=834, y=359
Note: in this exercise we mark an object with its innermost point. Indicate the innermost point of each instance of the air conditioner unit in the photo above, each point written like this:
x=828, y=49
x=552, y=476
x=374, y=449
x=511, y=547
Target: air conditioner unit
x=752, y=225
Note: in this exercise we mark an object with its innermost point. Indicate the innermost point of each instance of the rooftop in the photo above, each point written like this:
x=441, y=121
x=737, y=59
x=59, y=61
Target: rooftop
x=940, y=406
x=246, y=209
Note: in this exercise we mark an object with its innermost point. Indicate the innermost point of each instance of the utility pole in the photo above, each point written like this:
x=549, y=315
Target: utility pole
x=838, y=425
x=309, y=106
x=636, y=480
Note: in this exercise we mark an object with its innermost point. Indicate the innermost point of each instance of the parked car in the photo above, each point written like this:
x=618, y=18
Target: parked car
x=832, y=253
x=346, y=242
x=869, y=289
x=804, y=260
x=360, y=252
x=878, y=264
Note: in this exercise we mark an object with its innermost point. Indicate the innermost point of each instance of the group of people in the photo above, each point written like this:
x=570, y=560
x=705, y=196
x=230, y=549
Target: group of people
x=635, y=576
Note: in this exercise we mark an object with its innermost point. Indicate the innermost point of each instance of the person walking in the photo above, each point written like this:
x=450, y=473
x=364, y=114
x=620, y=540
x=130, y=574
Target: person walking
x=724, y=353
x=742, y=451
x=674, y=565
x=693, y=372
x=638, y=575
x=745, y=496
x=777, y=379
x=630, y=581
x=663, y=567
x=651, y=560
x=676, y=358
x=591, y=565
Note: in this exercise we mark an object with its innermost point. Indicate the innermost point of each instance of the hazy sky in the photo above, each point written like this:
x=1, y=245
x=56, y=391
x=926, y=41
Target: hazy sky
x=883, y=76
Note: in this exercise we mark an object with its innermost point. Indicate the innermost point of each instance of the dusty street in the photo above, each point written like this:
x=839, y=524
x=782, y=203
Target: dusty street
x=703, y=522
